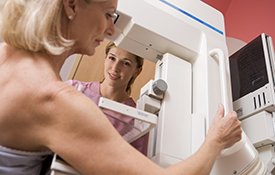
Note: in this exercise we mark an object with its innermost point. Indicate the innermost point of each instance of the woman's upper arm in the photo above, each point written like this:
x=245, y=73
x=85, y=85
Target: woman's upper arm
x=83, y=136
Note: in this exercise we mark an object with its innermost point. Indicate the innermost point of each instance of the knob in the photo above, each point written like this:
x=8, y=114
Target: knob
x=159, y=87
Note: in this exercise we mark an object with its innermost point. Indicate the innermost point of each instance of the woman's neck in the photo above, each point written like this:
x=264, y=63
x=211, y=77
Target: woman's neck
x=54, y=61
x=113, y=93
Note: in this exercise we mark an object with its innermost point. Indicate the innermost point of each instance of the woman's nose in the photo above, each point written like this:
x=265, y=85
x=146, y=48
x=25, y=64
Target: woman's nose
x=110, y=29
x=116, y=66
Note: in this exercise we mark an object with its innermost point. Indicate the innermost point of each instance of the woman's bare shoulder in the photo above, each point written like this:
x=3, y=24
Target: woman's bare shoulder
x=56, y=97
x=67, y=110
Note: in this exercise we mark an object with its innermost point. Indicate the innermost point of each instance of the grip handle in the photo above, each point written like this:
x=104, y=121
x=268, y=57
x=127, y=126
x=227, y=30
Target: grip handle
x=225, y=95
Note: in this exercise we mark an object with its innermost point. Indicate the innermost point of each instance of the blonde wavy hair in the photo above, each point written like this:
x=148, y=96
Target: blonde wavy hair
x=34, y=25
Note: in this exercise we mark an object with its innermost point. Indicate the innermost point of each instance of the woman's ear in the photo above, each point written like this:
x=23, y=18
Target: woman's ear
x=70, y=8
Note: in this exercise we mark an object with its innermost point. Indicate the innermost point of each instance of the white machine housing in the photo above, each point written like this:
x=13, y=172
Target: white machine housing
x=186, y=39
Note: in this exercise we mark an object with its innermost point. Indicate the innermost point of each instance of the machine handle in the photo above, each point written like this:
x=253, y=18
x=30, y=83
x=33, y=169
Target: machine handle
x=226, y=100
x=218, y=53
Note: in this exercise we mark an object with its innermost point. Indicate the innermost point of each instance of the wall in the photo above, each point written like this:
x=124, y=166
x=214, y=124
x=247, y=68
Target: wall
x=246, y=19
x=68, y=67
x=221, y=5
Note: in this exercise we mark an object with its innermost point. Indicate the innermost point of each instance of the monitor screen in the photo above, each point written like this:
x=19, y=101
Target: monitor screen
x=248, y=69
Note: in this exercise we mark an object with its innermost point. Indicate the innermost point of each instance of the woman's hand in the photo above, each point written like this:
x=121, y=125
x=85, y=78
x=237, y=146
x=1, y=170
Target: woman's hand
x=224, y=131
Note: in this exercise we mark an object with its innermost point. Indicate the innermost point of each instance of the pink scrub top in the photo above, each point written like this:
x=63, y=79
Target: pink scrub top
x=122, y=123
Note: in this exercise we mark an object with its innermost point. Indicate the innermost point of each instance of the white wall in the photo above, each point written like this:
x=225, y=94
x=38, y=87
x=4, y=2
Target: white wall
x=67, y=67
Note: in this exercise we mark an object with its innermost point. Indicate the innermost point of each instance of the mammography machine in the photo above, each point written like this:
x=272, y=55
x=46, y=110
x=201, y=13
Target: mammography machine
x=252, y=77
x=186, y=39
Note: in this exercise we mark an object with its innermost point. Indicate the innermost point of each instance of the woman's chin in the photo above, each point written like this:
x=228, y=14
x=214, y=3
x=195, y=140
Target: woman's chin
x=90, y=52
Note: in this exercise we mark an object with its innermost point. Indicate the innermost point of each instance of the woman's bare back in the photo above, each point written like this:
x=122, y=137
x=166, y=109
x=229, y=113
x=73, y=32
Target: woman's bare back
x=23, y=87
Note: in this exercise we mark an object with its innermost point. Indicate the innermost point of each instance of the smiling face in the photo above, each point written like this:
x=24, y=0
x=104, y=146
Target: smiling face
x=120, y=67
x=90, y=23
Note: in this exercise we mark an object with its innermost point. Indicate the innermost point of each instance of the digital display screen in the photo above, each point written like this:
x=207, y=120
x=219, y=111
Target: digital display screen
x=248, y=69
